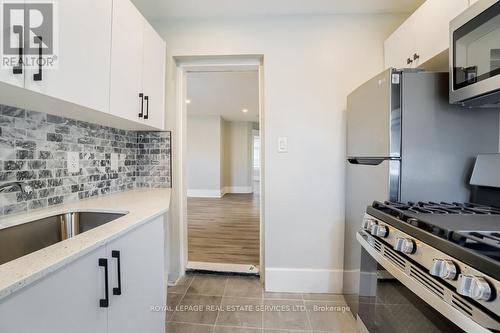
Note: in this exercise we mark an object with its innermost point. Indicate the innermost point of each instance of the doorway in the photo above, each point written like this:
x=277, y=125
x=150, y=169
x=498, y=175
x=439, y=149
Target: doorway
x=223, y=160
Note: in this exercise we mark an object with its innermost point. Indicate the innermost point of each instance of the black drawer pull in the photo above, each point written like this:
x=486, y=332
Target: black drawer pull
x=141, y=96
x=117, y=290
x=104, y=303
x=39, y=76
x=18, y=69
x=146, y=116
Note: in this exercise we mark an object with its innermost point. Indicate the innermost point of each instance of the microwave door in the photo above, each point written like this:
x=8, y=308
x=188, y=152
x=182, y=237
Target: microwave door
x=475, y=55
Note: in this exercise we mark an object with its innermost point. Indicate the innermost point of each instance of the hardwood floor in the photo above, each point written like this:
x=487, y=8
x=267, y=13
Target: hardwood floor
x=224, y=230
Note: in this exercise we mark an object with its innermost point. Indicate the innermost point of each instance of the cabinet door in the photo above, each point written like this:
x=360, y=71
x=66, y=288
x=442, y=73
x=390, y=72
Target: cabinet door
x=10, y=58
x=64, y=301
x=81, y=71
x=432, y=21
x=153, y=79
x=142, y=279
x=400, y=46
x=126, y=60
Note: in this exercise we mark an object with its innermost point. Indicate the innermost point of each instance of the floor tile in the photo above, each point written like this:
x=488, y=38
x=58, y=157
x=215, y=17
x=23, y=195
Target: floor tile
x=284, y=331
x=291, y=296
x=173, y=327
x=197, y=309
x=172, y=301
x=225, y=329
x=209, y=285
x=324, y=297
x=240, y=312
x=244, y=287
x=330, y=317
x=182, y=285
x=285, y=314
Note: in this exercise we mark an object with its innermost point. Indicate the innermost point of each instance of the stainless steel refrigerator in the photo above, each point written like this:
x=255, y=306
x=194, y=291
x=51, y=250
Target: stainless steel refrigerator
x=405, y=142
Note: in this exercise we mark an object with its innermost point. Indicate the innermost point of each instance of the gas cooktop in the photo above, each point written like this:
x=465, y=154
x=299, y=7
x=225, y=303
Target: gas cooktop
x=475, y=228
x=444, y=208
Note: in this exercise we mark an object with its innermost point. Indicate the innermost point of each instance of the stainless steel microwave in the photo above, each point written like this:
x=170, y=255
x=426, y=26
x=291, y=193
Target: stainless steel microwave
x=475, y=56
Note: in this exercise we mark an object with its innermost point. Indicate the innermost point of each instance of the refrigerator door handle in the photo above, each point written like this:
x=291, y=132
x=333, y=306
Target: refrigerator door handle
x=366, y=161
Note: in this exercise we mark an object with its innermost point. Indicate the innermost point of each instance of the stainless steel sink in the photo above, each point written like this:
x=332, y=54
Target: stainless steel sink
x=23, y=239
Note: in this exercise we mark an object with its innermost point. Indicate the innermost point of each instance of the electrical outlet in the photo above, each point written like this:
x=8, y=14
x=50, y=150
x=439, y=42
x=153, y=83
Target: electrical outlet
x=114, y=161
x=73, y=162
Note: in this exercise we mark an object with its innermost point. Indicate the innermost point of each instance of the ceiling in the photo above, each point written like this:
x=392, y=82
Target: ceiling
x=159, y=10
x=225, y=94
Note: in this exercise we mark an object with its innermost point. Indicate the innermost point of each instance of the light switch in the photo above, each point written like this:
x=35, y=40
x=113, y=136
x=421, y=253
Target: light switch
x=283, y=145
x=73, y=162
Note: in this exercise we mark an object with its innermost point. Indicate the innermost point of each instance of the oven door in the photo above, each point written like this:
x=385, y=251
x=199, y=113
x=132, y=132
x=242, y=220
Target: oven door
x=389, y=305
x=475, y=54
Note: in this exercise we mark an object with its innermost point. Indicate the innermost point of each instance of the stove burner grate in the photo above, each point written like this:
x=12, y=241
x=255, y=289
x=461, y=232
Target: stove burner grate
x=444, y=208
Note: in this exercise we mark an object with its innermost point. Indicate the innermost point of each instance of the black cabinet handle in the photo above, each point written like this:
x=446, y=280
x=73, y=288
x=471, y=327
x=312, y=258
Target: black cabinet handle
x=416, y=56
x=38, y=76
x=141, y=96
x=104, y=303
x=409, y=61
x=18, y=69
x=117, y=290
x=146, y=116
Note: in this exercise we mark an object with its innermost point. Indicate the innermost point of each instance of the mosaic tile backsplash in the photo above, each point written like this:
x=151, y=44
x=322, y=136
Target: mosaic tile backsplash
x=34, y=148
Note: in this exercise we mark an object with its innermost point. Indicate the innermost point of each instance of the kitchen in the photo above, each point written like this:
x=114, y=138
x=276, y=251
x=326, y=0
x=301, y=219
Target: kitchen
x=312, y=56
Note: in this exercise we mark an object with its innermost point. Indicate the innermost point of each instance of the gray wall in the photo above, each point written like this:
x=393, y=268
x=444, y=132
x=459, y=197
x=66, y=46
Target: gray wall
x=204, y=153
x=34, y=147
x=238, y=155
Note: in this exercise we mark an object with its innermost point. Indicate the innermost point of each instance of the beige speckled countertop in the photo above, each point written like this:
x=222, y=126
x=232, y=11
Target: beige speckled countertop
x=141, y=206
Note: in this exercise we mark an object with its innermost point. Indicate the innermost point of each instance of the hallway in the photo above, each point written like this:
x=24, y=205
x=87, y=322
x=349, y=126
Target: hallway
x=224, y=230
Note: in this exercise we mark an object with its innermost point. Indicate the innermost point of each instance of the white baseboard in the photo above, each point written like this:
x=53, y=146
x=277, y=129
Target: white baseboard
x=205, y=194
x=224, y=268
x=238, y=189
x=304, y=280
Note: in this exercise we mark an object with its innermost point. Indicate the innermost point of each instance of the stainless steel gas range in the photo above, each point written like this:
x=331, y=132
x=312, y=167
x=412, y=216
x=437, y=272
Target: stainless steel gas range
x=443, y=254
x=434, y=267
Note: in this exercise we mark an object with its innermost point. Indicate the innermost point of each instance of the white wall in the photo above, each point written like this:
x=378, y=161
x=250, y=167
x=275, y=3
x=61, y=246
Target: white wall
x=310, y=66
x=238, y=151
x=204, y=156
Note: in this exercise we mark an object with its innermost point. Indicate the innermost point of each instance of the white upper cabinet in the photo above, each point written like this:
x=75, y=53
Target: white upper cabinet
x=101, y=62
x=153, y=77
x=126, y=65
x=137, y=67
x=423, y=35
x=433, y=26
x=12, y=71
x=400, y=47
x=82, y=42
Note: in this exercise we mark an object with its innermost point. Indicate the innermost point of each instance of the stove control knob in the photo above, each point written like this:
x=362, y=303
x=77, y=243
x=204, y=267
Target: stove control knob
x=444, y=269
x=405, y=245
x=379, y=230
x=368, y=223
x=474, y=287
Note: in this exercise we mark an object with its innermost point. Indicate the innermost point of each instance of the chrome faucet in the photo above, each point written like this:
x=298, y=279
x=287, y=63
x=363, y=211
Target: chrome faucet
x=23, y=187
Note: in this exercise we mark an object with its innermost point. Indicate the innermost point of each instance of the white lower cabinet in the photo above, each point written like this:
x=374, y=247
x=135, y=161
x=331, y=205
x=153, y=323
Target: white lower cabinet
x=64, y=301
x=73, y=299
x=142, y=280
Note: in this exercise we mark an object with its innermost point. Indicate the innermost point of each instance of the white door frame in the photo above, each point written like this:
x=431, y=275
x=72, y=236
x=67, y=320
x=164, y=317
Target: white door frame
x=211, y=63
